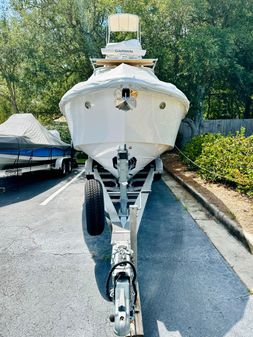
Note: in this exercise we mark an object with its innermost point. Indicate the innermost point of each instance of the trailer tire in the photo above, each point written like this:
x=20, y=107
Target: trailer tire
x=69, y=166
x=94, y=207
x=63, y=169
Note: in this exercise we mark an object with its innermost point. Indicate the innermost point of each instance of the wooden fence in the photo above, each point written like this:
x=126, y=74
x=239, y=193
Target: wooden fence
x=188, y=128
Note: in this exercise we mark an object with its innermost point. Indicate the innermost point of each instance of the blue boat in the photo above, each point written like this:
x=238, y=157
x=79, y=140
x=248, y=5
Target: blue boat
x=25, y=142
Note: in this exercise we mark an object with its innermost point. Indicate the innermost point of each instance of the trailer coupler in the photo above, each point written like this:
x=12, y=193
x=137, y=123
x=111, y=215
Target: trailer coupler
x=123, y=292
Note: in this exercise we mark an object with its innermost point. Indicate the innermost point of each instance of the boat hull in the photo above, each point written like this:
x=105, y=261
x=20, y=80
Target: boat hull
x=17, y=152
x=147, y=129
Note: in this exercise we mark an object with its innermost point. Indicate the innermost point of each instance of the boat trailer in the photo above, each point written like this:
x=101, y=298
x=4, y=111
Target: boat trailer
x=121, y=201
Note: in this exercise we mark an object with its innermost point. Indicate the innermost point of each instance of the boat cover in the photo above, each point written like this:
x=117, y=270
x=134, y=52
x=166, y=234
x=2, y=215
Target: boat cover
x=127, y=44
x=141, y=78
x=128, y=48
x=26, y=126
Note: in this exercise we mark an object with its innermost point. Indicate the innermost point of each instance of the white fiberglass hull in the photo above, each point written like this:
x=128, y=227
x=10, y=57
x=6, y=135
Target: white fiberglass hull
x=146, y=129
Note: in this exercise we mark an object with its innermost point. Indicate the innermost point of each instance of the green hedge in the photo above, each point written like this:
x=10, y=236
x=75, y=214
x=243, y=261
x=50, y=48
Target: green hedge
x=193, y=149
x=223, y=158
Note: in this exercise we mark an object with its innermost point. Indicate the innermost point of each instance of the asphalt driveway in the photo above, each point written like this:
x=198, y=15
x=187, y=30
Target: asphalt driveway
x=53, y=274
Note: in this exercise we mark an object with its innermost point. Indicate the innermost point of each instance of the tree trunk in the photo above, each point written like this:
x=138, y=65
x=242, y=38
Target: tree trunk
x=12, y=92
x=14, y=106
x=200, y=96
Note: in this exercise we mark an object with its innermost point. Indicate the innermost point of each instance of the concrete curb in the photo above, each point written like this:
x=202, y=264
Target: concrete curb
x=231, y=225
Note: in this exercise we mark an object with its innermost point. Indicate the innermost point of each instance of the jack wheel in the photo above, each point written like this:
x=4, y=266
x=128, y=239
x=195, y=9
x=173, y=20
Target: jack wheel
x=94, y=207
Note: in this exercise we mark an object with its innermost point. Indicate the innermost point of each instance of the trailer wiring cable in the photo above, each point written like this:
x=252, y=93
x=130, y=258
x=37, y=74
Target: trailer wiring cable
x=200, y=167
x=133, y=280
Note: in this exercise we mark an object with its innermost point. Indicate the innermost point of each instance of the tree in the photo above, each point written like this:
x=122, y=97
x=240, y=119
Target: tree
x=202, y=46
x=11, y=56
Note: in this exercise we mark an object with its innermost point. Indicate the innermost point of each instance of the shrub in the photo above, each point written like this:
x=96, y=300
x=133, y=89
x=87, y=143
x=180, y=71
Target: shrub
x=227, y=159
x=193, y=149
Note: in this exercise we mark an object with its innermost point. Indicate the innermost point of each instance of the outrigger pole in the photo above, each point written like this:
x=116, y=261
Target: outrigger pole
x=122, y=200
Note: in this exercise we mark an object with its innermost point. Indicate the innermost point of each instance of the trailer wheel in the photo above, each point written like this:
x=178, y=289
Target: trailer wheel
x=63, y=170
x=94, y=207
x=69, y=166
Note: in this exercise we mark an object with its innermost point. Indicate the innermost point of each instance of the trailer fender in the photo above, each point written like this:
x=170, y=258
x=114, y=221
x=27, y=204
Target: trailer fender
x=59, y=162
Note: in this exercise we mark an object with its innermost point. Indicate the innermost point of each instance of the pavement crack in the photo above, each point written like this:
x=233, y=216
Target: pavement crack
x=9, y=246
x=29, y=228
x=63, y=254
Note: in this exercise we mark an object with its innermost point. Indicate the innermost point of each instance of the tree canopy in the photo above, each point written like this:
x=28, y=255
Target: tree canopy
x=204, y=47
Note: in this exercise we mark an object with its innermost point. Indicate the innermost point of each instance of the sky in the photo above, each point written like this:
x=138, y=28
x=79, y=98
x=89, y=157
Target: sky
x=3, y=7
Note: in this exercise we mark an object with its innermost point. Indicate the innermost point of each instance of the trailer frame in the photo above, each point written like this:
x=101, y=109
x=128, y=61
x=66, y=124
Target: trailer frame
x=57, y=164
x=125, y=198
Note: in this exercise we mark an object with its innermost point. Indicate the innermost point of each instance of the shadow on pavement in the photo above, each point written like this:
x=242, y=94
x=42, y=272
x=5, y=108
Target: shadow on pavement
x=187, y=289
x=100, y=250
x=28, y=186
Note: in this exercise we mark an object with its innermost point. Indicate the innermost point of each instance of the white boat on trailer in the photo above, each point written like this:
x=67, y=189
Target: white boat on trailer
x=123, y=117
